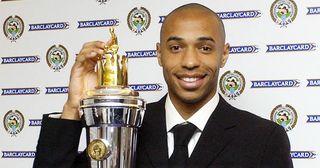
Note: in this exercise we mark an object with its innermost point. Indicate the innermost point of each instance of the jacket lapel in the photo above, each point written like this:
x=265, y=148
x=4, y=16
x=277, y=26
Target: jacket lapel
x=217, y=134
x=155, y=139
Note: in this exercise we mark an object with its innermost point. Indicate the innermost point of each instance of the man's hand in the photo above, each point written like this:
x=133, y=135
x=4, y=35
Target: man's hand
x=82, y=78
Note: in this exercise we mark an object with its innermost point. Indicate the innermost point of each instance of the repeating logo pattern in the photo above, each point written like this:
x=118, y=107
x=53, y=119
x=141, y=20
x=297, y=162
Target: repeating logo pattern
x=13, y=122
x=283, y=12
x=232, y=84
x=13, y=28
x=286, y=116
x=139, y=20
x=57, y=57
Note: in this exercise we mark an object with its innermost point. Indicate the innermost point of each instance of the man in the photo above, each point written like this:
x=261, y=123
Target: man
x=191, y=51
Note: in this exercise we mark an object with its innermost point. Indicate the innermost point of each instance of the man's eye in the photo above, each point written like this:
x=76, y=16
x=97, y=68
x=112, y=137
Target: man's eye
x=206, y=48
x=175, y=48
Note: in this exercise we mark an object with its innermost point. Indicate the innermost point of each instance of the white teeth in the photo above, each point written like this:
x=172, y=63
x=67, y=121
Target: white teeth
x=189, y=79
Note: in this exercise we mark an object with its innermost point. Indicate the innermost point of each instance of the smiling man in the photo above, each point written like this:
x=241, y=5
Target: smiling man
x=192, y=126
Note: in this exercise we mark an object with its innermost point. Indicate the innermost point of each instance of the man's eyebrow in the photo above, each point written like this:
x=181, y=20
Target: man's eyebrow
x=206, y=39
x=174, y=38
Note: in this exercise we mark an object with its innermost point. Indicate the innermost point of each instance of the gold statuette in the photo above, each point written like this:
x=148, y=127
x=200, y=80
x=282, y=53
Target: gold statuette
x=112, y=69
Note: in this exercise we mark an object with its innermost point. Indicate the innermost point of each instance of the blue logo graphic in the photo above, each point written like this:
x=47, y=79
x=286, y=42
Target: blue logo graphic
x=35, y=122
x=291, y=47
x=313, y=11
x=98, y=23
x=243, y=49
x=49, y=26
x=162, y=19
x=20, y=91
x=56, y=90
x=275, y=83
x=20, y=59
x=303, y=155
x=141, y=54
x=18, y=154
x=313, y=82
x=313, y=118
x=146, y=87
x=239, y=14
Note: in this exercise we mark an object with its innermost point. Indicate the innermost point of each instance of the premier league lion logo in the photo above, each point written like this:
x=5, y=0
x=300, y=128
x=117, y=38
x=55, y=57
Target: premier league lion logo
x=286, y=116
x=139, y=20
x=283, y=12
x=232, y=84
x=57, y=57
x=13, y=28
x=13, y=122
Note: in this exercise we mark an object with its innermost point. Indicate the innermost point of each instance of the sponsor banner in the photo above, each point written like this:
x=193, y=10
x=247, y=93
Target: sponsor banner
x=239, y=14
x=146, y=87
x=98, y=23
x=275, y=83
x=291, y=47
x=20, y=59
x=313, y=119
x=141, y=54
x=313, y=10
x=57, y=90
x=20, y=91
x=18, y=154
x=313, y=82
x=243, y=49
x=35, y=122
x=49, y=26
x=303, y=155
x=161, y=19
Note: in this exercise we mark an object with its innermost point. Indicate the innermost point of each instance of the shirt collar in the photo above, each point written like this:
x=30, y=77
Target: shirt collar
x=199, y=118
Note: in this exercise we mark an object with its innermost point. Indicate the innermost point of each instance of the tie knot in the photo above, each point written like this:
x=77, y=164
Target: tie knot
x=182, y=133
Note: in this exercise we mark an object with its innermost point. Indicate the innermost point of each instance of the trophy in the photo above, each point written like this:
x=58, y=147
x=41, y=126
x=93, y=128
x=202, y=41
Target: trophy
x=112, y=112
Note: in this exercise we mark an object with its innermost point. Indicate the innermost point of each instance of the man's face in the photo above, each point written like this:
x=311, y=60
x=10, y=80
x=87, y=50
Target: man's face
x=191, y=51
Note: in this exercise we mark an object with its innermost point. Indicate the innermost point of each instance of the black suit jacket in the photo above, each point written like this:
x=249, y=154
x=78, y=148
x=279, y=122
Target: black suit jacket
x=231, y=139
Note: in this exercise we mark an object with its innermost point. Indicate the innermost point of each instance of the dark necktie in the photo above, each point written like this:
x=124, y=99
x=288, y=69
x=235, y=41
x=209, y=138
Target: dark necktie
x=182, y=134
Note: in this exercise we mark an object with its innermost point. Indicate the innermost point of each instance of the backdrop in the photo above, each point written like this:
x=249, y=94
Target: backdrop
x=273, y=68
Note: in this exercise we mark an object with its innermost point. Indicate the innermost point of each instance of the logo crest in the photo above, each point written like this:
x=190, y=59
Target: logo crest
x=13, y=28
x=286, y=116
x=283, y=12
x=13, y=122
x=57, y=57
x=232, y=84
x=139, y=20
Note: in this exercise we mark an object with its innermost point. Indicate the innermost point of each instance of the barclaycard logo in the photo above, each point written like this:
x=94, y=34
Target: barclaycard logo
x=141, y=54
x=35, y=122
x=313, y=118
x=239, y=14
x=57, y=90
x=313, y=10
x=243, y=49
x=98, y=23
x=18, y=154
x=20, y=59
x=162, y=19
x=291, y=47
x=303, y=155
x=313, y=82
x=146, y=87
x=275, y=83
x=49, y=26
x=20, y=91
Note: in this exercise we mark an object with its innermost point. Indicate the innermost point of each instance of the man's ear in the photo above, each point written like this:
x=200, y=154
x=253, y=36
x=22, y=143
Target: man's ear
x=159, y=54
x=225, y=55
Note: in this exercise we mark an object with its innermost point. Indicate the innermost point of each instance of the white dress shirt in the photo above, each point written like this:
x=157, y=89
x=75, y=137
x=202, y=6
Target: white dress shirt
x=199, y=119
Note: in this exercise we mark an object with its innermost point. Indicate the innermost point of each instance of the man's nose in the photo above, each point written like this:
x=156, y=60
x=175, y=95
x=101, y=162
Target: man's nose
x=190, y=59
